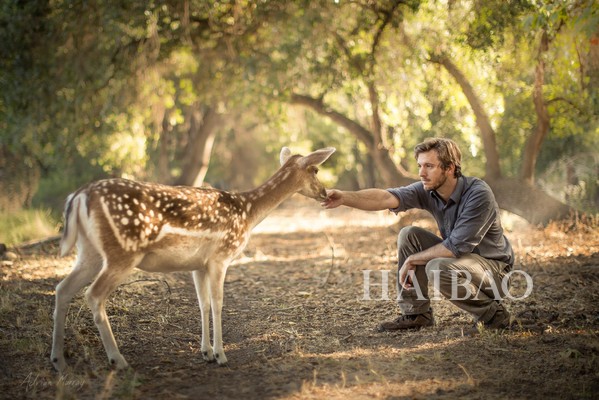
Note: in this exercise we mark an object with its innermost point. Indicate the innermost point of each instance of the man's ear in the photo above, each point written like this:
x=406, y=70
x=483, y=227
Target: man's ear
x=451, y=169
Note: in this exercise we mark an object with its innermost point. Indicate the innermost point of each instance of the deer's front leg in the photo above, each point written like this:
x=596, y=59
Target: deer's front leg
x=217, y=272
x=202, y=285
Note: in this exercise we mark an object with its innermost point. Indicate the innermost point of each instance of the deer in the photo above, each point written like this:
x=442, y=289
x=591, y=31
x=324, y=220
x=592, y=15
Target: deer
x=119, y=225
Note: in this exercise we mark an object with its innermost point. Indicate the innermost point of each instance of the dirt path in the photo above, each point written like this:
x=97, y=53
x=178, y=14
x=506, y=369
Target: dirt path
x=297, y=324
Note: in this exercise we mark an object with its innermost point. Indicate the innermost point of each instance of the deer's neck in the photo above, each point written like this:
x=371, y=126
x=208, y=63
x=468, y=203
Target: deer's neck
x=268, y=196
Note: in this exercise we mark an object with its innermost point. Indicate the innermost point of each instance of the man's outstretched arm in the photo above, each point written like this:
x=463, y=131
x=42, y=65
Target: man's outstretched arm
x=367, y=199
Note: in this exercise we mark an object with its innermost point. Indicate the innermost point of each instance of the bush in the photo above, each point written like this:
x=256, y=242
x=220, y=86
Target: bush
x=22, y=226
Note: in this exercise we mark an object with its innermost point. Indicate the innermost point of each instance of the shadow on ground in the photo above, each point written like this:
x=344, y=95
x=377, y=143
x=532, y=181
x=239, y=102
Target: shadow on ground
x=296, y=325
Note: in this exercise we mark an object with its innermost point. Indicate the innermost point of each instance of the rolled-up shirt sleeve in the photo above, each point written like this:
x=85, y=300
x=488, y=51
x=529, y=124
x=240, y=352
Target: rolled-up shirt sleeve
x=411, y=196
x=472, y=224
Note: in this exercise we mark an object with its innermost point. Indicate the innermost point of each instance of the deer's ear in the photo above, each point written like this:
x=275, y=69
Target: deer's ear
x=316, y=158
x=284, y=156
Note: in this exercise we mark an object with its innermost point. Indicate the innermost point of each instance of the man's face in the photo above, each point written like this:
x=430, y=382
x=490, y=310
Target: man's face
x=430, y=171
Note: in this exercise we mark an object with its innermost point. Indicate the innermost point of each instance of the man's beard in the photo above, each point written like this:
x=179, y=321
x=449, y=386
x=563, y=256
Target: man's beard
x=441, y=183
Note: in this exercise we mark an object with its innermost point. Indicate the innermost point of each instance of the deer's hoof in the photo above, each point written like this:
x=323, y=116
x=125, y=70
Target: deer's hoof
x=118, y=362
x=208, y=355
x=59, y=363
x=221, y=359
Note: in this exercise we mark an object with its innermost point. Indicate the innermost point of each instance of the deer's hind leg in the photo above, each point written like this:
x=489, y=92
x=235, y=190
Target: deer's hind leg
x=114, y=271
x=87, y=266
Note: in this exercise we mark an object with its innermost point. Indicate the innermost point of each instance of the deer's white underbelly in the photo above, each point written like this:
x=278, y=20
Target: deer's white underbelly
x=177, y=249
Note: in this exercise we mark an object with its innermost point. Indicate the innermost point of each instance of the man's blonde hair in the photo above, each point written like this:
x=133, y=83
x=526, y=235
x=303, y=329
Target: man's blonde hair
x=447, y=150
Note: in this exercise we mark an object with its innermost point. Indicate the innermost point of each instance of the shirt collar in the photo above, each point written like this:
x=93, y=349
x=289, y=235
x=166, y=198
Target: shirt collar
x=456, y=196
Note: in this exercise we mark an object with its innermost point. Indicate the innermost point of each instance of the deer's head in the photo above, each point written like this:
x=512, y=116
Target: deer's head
x=305, y=168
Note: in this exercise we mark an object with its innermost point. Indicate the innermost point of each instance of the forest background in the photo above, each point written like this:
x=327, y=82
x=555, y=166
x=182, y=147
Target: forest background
x=193, y=92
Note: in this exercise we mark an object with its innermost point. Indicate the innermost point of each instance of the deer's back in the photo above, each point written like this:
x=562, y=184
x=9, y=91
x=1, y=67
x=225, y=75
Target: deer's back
x=148, y=217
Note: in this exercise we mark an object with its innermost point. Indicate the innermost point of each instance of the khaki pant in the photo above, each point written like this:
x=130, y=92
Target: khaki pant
x=471, y=282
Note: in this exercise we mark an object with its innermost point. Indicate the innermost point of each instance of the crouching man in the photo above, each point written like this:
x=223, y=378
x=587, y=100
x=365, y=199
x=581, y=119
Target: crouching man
x=471, y=257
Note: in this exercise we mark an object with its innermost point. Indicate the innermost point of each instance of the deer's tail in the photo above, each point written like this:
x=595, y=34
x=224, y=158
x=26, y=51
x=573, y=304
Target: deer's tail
x=71, y=216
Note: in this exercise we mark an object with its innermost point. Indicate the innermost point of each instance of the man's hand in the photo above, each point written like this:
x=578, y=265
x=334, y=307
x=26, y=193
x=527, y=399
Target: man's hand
x=405, y=279
x=334, y=199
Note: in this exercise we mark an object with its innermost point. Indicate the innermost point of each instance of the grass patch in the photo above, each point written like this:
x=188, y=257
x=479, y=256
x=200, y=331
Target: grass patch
x=26, y=225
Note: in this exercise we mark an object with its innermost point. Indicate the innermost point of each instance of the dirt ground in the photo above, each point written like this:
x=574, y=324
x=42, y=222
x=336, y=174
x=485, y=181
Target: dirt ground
x=298, y=323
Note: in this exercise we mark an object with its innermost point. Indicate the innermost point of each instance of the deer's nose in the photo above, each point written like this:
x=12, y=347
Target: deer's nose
x=323, y=194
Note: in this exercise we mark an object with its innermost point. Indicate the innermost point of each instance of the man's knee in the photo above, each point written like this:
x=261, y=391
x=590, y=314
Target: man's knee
x=409, y=234
x=442, y=273
x=442, y=265
x=448, y=272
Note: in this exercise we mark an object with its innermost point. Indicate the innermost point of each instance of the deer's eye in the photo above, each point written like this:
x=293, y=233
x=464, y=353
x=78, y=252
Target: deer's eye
x=315, y=170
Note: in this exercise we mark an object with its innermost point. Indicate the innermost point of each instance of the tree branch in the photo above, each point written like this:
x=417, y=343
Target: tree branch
x=492, y=169
x=533, y=144
x=569, y=102
x=390, y=172
x=318, y=105
x=388, y=15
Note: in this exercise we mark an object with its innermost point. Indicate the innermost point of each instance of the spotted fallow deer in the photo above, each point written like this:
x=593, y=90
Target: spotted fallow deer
x=119, y=225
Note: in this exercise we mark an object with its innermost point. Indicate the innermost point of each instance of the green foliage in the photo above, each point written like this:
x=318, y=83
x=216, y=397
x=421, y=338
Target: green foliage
x=115, y=88
x=489, y=20
x=64, y=62
x=55, y=187
x=26, y=225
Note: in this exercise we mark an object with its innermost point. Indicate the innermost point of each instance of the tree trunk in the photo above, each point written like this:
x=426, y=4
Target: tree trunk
x=518, y=196
x=391, y=174
x=377, y=125
x=513, y=195
x=528, y=201
x=593, y=64
x=370, y=172
x=162, y=169
x=19, y=180
x=534, y=142
x=487, y=133
x=389, y=171
x=196, y=158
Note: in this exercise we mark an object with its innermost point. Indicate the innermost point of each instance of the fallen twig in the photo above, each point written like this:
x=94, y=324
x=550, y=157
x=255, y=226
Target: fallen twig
x=32, y=246
x=332, y=246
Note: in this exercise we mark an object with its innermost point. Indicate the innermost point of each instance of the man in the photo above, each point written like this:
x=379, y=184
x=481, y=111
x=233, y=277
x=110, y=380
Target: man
x=471, y=257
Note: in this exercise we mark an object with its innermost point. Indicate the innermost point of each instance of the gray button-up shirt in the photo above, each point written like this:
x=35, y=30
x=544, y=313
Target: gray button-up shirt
x=469, y=222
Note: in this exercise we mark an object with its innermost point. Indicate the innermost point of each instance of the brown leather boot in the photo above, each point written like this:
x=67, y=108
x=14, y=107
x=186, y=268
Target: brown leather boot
x=500, y=321
x=415, y=321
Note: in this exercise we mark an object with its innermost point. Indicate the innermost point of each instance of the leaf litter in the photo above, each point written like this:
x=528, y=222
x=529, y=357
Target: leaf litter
x=296, y=323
